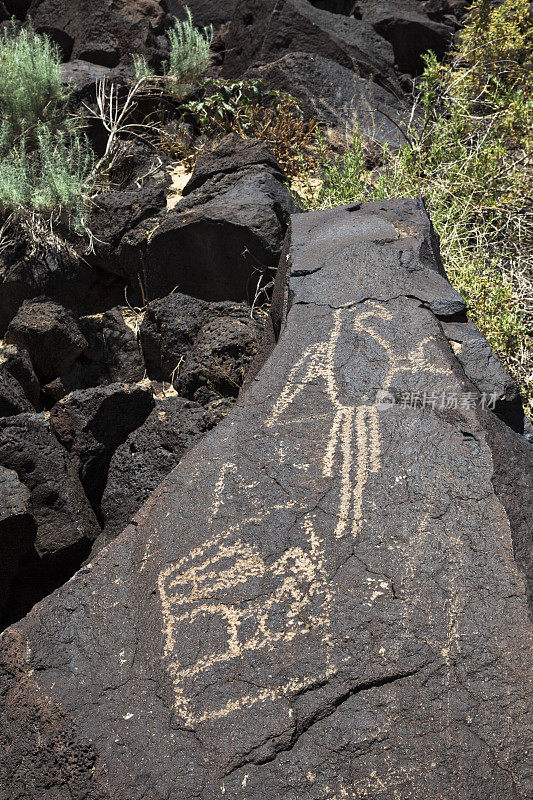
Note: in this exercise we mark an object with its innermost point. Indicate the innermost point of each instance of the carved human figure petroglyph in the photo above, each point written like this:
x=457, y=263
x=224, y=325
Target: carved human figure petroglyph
x=225, y=590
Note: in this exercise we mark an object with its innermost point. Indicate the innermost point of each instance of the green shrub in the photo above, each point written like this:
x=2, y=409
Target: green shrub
x=469, y=156
x=189, y=58
x=250, y=109
x=44, y=160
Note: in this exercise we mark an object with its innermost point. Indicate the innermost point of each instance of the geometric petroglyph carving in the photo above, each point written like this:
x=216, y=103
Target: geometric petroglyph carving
x=223, y=600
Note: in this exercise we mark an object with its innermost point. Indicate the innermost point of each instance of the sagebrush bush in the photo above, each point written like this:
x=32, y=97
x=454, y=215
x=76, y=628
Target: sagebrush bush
x=44, y=159
x=469, y=155
x=189, y=59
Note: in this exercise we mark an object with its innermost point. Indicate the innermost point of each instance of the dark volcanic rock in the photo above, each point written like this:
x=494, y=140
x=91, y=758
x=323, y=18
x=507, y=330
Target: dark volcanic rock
x=213, y=242
x=104, y=32
x=13, y=399
x=65, y=522
x=512, y=459
x=204, y=12
x=16, y=361
x=17, y=8
x=140, y=185
x=51, y=334
x=231, y=155
x=334, y=95
x=264, y=30
x=203, y=349
x=17, y=528
x=19, y=387
x=55, y=270
x=90, y=424
x=345, y=7
x=89, y=368
x=168, y=331
x=410, y=31
x=321, y=600
x=123, y=355
x=483, y=368
x=147, y=456
x=445, y=10
x=83, y=76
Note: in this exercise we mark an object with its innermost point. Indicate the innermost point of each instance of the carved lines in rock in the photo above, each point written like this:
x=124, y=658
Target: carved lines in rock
x=226, y=587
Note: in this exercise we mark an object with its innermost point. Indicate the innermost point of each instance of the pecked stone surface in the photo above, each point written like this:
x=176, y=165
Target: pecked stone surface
x=321, y=600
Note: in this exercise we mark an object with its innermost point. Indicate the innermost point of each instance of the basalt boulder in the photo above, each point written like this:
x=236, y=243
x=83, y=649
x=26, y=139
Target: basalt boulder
x=34, y=264
x=448, y=11
x=345, y=7
x=89, y=367
x=483, y=368
x=105, y=32
x=204, y=12
x=82, y=76
x=140, y=184
x=202, y=349
x=13, y=399
x=264, y=30
x=230, y=156
x=66, y=525
x=90, y=424
x=146, y=457
x=409, y=30
x=219, y=237
x=123, y=355
x=341, y=100
x=50, y=333
x=16, y=361
x=17, y=8
x=322, y=599
x=17, y=528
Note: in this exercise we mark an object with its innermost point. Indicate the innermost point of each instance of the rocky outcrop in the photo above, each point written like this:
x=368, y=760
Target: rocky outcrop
x=17, y=528
x=50, y=333
x=140, y=184
x=202, y=349
x=341, y=100
x=17, y=8
x=264, y=30
x=409, y=30
x=204, y=12
x=105, y=32
x=35, y=264
x=57, y=502
x=322, y=599
x=15, y=362
x=483, y=368
x=91, y=424
x=147, y=456
x=219, y=236
x=13, y=399
x=123, y=355
x=345, y=7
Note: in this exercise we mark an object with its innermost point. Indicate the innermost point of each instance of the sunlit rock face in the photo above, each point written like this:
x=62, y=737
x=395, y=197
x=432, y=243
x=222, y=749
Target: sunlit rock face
x=322, y=599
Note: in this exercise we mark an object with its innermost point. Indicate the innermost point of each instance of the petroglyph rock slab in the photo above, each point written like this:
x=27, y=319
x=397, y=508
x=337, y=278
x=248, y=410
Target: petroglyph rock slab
x=322, y=600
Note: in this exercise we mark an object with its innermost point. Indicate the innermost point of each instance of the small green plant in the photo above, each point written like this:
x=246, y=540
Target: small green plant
x=44, y=159
x=251, y=109
x=189, y=60
x=469, y=155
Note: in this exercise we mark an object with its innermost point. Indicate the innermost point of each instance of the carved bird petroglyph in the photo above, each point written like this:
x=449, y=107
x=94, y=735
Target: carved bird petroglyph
x=224, y=598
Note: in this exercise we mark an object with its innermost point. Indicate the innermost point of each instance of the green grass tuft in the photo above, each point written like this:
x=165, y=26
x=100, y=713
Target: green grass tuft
x=190, y=56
